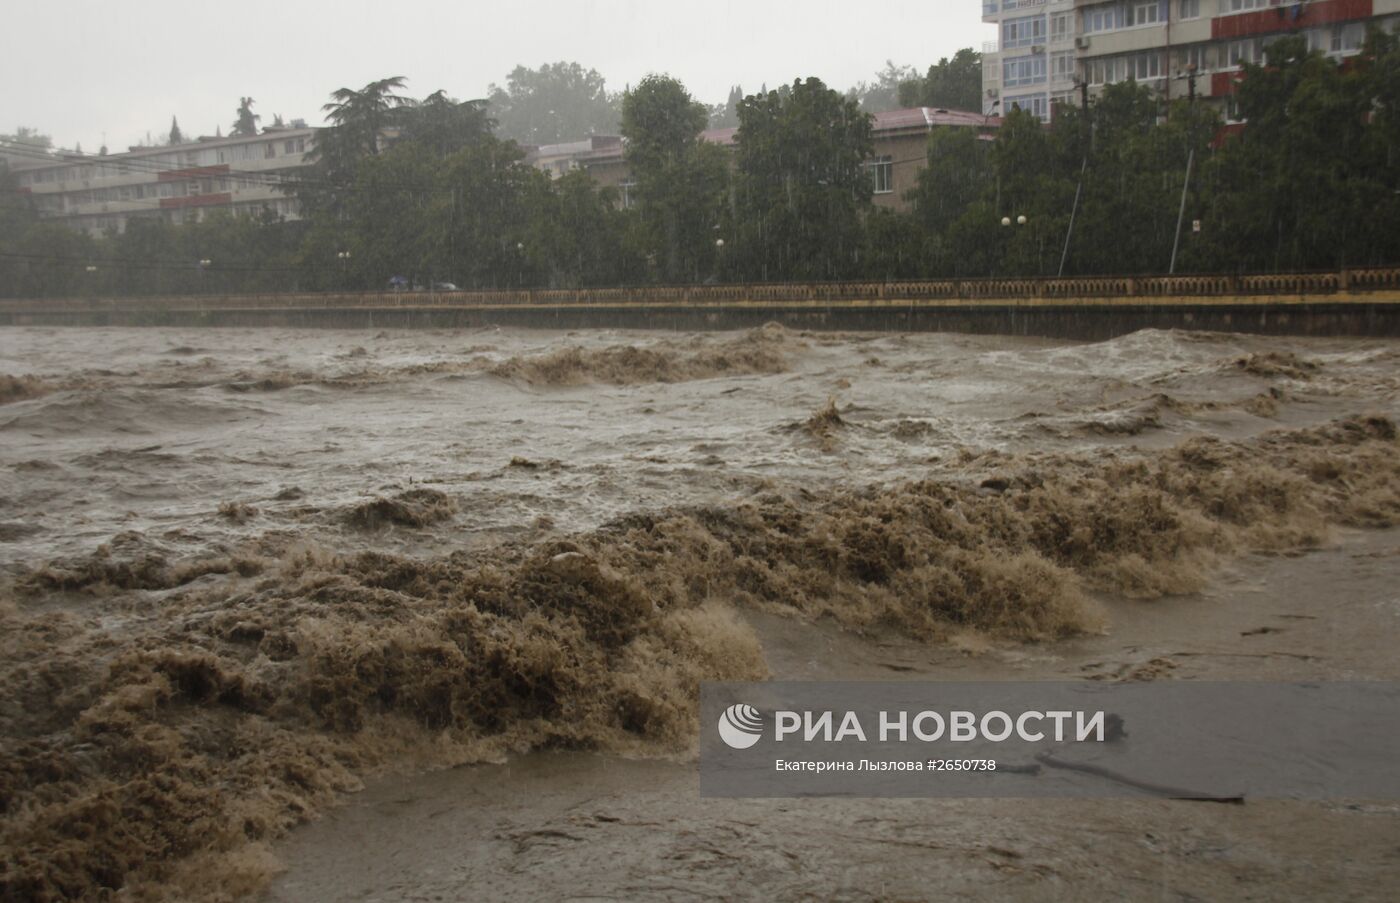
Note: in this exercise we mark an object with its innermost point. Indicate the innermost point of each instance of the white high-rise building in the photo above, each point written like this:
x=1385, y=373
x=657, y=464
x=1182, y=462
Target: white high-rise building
x=1032, y=62
x=1046, y=48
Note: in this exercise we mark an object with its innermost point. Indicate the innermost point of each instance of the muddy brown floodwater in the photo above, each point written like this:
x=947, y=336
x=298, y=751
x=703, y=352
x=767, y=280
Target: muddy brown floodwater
x=330, y=615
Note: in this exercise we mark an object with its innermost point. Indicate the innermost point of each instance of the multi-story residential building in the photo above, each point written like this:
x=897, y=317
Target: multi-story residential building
x=1175, y=46
x=900, y=139
x=246, y=175
x=1032, y=64
x=559, y=159
x=98, y=193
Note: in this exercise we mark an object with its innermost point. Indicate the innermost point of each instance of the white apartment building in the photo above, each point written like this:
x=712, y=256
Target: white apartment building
x=181, y=183
x=1032, y=64
x=1047, y=48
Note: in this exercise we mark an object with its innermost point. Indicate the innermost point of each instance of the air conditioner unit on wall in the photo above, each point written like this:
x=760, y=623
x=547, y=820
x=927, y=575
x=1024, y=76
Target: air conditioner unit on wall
x=993, y=92
x=1081, y=43
x=1038, y=49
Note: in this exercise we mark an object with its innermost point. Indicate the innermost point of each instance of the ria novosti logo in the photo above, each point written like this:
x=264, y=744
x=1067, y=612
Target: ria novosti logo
x=741, y=726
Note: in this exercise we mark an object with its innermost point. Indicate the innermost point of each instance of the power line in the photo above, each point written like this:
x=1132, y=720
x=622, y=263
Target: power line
x=138, y=166
x=166, y=265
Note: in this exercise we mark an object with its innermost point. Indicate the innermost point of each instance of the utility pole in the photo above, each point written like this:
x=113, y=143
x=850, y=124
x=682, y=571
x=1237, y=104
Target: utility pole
x=1083, y=169
x=1190, y=162
x=1181, y=213
x=1074, y=211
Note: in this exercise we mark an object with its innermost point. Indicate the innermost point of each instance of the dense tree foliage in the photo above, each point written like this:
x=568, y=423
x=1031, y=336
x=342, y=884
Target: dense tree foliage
x=950, y=84
x=726, y=115
x=428, y=191
x=801, y=184
x=681, y=181
x=555, y=103
x=246, y=125
x=883, y=93
x=29, y=138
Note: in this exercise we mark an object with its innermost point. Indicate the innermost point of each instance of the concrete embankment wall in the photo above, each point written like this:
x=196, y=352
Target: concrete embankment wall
x=1340, y=312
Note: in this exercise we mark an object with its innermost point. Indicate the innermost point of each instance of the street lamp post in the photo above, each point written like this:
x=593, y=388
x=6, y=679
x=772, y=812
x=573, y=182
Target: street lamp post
x=344, y=258
x=1006, y=221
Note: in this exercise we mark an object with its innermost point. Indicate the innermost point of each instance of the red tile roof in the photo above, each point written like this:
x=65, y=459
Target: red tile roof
x=719, y=136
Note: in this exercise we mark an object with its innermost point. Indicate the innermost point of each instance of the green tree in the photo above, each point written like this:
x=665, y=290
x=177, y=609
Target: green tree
x=801, y=186
x=485, y=219
x=443, y=124
x=358, y=120
x=246, y=125
x=950, y=84
x=1136, y=168
x=1305, y=184
x=726, y=115
x=176, y=136
x=584, y=235
x=958, y=175
x=388, y=219
x=681, y=180
x=29, y=138
x=883, y=93
x=555, y=103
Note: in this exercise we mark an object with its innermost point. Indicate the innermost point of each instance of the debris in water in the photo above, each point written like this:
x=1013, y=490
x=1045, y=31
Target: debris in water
x=238, y=512
x=414, y=508
x=1277, y=363
x=21, y=388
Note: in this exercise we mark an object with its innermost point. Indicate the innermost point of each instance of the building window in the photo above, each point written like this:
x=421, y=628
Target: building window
x=1025, y=70
x=1195, y=55
x=882, y=174
x=1246, y=51
x=1146, y=66
x=1023, y=32
x=270, y=150
x=1239, y=6
x=1146, y=13
x=1102, y=17
x=1106, y=70
x=1060, y=28
x=1189, y=9
x=1062, y=66
x=1347, y=38
x=1035, y=104
x=629, y=194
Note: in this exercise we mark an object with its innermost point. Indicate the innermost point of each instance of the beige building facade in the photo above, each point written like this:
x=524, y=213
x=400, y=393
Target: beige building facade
x=900, y=152
x=179, y=183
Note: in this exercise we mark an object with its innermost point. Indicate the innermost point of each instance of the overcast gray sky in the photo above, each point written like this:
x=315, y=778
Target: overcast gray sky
x=83, y=69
